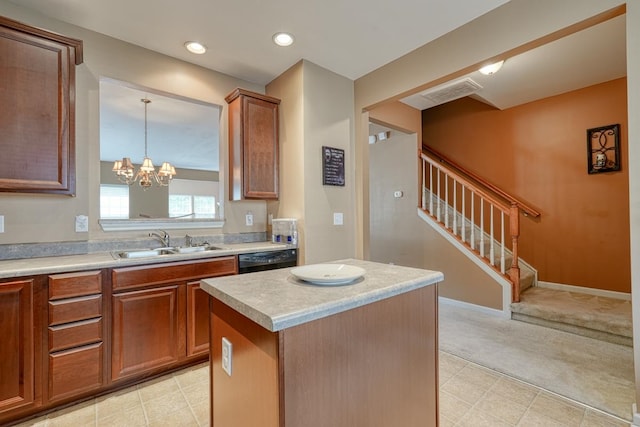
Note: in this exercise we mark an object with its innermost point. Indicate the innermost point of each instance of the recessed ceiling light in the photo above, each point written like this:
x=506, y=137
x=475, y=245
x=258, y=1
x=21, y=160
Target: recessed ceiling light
x=195, y=47
x=491, y=68
x=283, y=39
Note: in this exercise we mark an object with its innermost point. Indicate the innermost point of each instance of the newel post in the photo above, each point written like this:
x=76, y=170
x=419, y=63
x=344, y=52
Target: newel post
x=514, y=271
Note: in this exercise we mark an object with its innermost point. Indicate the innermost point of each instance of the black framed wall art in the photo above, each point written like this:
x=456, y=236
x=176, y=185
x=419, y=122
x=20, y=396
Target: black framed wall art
x=603, y=149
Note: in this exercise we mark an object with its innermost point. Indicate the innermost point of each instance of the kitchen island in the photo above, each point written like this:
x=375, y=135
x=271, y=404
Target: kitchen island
x=360, y=354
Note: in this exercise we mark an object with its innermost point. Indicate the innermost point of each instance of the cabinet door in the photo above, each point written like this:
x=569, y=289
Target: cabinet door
x=148, y=330
x=253, y=145
x=37, y=109
x=197, y=320
x=17, y=348
x=260, y=149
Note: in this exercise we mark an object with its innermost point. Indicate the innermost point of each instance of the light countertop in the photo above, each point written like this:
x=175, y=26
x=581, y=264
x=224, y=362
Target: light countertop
x=276, y=300
x=98, y=260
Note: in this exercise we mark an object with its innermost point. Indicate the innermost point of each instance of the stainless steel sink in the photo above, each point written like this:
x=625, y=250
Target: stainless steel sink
x=147, y=253
x=143, y=253
x=193, y=249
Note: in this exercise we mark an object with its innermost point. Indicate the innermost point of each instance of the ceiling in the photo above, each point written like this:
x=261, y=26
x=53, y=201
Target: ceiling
x=591, y=56
x=348, y=37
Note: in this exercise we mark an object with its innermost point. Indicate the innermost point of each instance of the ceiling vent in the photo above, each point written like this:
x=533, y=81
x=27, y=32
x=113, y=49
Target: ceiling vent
x=449, y=92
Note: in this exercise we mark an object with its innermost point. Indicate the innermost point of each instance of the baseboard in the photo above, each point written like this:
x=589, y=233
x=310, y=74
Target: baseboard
x=475, y=307
x=636, y=416
x=583, y=290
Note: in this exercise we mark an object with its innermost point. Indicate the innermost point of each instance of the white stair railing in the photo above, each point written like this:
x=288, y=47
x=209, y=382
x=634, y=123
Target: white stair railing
x=468, y=224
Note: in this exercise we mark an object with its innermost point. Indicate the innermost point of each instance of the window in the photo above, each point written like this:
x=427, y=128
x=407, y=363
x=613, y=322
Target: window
x=114, y=201
x=192, y=198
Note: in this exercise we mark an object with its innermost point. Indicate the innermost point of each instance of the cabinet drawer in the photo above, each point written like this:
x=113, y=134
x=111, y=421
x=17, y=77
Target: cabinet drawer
x=75, y=371
x=74, y=309
x=74, y=284
x=135, y=277
x=75, y=334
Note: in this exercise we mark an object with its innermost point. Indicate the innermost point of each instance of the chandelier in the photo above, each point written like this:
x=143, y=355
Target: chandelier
x=146, y=175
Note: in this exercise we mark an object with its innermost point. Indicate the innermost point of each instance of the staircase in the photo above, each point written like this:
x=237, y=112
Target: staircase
x=477, y=242
x=478, y=217
x=483, y=222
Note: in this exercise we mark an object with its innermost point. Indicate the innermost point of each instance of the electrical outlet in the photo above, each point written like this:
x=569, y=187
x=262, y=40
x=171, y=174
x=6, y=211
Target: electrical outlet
x=82, y=223
x=249, y=219
x=227, y=355
x=1, y=223
x=398, y=194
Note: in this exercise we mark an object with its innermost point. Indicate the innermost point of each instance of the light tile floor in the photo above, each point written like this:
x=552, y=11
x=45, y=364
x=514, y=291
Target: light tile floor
x=470, y=395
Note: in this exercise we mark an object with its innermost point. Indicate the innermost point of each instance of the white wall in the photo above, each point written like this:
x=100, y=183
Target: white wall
x=288, y=88
x=318, y=112
x=328, y=121
x=393, y=223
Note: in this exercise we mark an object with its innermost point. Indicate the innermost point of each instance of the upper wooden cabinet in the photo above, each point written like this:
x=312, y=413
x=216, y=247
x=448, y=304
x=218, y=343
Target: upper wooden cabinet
x=37, y=109
x=253, y=145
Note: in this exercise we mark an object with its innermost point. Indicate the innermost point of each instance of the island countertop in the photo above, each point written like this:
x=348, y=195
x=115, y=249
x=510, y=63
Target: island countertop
x=276, y=300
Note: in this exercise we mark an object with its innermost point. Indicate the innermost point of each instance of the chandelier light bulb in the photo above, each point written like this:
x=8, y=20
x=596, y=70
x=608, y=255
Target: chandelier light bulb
x=147, y=174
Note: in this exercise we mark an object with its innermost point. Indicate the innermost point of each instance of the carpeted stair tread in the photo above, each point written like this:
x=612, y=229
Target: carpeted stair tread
x=581, y=313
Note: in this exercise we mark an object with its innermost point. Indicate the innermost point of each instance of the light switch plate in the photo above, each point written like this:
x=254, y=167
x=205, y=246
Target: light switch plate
x=338, y=218
x=1, y=223
x=249, y=219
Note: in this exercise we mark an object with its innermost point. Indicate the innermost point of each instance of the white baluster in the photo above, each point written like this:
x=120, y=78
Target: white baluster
x=481, y=227
x=439, y=198
x=430, y=189
x=462, y=217
x=424, y=186
x=473, y=227
x=446, y=201
x=492, y=255
x=502, y=269
x=455, y=209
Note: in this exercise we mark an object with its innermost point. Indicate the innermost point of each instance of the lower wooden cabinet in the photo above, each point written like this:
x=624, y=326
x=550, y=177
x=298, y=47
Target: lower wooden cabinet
x=197, y=320
x=75, y=334
x=66, y=337
x=75, y=371
x=160, y=316
x=146, y=330
x=17, y=351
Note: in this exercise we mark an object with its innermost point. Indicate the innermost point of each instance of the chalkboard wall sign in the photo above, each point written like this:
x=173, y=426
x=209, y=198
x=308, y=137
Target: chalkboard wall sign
x=332, y=166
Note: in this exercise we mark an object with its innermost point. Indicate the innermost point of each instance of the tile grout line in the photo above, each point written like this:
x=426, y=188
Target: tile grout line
x=557, y=395
x=144, y=411
x=485, y=394
x=195, y=417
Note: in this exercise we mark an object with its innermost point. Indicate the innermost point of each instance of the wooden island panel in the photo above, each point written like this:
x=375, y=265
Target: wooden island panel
x=375, y=365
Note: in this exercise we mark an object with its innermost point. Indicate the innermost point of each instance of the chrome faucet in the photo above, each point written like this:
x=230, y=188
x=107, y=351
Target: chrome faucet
x=163, y=238
x=188, y=240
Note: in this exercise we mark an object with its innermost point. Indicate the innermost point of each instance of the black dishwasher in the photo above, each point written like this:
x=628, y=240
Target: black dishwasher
x=268, y=260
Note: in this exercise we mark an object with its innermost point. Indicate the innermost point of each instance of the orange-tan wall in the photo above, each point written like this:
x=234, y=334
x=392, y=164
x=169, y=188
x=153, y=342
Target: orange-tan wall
x=537, y=152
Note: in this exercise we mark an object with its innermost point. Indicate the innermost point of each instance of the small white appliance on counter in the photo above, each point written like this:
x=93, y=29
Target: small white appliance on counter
x=284, y=230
